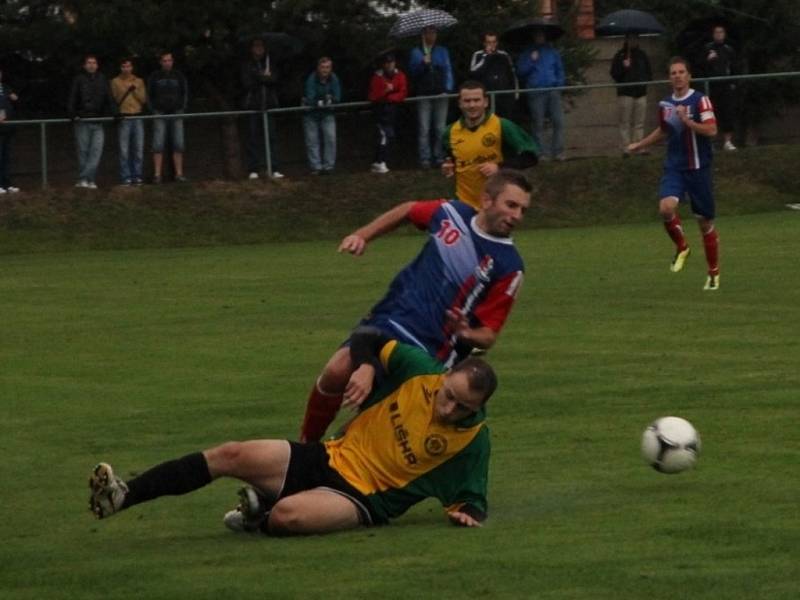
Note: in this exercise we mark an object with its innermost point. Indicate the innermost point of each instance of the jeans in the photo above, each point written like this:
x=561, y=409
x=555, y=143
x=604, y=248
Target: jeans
x=90, y=138
x=160, y=127
x=131, y=149
x=631, y=118
x=5, y=159
x=548, y=104
x=431, y=114
x=254, y=145
x=313, y=127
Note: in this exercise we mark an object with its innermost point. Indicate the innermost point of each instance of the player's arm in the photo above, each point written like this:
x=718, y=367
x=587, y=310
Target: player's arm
x=476, y=336
x=520, y=151
x=654, y=137
x=708, y=122
x=481, y=328
x=468, y=475
x=366, y=345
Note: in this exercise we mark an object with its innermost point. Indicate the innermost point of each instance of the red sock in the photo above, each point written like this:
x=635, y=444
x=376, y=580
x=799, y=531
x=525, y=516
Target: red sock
x=320, y=412
x=711, y=244
x=675, y=232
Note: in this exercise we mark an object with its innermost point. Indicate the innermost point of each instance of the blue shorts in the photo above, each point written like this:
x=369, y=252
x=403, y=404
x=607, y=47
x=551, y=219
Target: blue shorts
x=160, y=127
x=696, y=183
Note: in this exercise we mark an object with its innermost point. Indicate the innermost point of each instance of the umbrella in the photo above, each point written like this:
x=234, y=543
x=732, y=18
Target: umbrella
x=413, y=23
x=521, y=33
x=621, y=22
x=276, y=42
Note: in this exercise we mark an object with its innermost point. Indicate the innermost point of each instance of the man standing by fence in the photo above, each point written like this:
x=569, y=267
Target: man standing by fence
x=168, y=94
x=131, y=97
x=322, y=90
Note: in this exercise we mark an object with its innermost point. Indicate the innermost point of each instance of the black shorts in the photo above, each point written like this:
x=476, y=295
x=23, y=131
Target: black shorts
x=309, y=469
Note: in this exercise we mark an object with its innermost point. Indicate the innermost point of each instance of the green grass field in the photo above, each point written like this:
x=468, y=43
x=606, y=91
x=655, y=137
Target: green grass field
x=142, y=355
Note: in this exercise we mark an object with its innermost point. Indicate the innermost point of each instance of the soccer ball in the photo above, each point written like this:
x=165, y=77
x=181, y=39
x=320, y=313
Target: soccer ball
x=670, y=445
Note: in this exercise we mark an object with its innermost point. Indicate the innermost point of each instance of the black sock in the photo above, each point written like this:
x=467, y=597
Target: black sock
x=171, y=478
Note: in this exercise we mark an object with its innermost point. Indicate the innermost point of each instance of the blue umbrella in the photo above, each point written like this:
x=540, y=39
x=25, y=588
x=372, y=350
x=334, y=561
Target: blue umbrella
x=621, y=22
x=414, y=23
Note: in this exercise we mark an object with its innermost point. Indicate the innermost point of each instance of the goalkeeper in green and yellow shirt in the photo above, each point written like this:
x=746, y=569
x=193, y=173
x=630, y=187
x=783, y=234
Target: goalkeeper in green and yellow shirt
x=480, y=143
x=419, y=433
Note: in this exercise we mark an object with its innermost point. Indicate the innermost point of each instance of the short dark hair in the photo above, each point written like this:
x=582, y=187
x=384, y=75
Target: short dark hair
x=88, y=56
x=679, y=60
x=489, y=33
x=480, y=375
x=163, y=53
x=125, y=59
x=472, y=84
x=498, y=182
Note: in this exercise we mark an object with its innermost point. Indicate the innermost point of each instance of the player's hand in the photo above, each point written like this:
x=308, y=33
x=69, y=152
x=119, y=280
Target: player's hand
x=359, y=386
x=633, y=147
x=682, y=113
x=448, y=167
x=626, y=63
x=463, y=519
x=457, y=321
x=488, y=169
x=354, y=244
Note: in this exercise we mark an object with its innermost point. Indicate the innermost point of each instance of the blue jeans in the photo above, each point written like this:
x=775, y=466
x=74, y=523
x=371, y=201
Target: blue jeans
x=313, y=127
x=431, y=115
x=160, y=127
x=90, y=138
x=131, y=149
x=547, y=104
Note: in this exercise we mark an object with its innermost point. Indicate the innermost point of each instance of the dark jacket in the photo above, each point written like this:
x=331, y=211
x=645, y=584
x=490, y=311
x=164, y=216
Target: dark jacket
x=90, y=96
x=260, y=91
x=724, y=63
x=167, y=92
x=495, y=71
x=7, y=105
x=638, y=71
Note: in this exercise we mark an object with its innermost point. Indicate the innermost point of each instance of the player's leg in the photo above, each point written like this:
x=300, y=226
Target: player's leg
x=313, y=511
x=701, y=193
x=262, y=463
x=326, y=395
x=671, y=190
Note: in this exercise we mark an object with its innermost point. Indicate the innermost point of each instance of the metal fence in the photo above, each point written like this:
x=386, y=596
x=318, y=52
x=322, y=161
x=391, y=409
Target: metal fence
x=43, y=124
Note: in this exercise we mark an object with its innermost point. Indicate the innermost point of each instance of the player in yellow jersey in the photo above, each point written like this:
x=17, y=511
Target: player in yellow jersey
x=419, y=433
x=480, y=143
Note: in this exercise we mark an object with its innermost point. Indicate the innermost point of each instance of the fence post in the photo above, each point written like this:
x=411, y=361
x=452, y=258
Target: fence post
x=43, y=142
x=707, y=84
x=267, y=149
x=493, y=102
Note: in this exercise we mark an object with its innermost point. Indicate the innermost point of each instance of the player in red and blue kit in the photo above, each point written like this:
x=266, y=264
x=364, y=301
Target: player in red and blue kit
x=687, y=119
x=453, y=297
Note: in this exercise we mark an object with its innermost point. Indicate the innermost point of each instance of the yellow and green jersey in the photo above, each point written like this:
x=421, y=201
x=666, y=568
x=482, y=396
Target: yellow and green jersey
x=396, y=454
x=494, y=140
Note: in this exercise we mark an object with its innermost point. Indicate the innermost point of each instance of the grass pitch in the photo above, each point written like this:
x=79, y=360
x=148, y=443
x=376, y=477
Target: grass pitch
x=138, y=356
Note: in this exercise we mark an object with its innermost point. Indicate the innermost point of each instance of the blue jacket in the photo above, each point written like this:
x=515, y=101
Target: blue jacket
x=433, y=78
x=546, y=71
x=321, y=94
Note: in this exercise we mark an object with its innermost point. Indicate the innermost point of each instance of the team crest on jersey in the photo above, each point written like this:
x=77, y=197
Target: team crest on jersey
x=489, y=140
x=435, y=444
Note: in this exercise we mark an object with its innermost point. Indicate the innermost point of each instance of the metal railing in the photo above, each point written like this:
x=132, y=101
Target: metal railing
x=44, y=123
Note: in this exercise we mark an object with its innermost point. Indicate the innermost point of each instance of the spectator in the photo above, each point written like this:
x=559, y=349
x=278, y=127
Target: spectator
x=719, y=61
x=630, y=64
x=387, y=90
x=494, y=69
x=167, y=94
x=479, y=144
x=260, y=81
x=322, y=90
x=7, y=100
x=431, y=74
x=89, y=97
x=540, y=66
x=130, y=94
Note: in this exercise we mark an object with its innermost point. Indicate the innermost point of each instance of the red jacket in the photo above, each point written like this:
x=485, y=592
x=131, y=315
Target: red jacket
x=379, y=92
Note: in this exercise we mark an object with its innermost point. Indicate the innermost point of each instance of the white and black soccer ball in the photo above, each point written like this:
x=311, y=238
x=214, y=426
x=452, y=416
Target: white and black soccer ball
x=670, y=445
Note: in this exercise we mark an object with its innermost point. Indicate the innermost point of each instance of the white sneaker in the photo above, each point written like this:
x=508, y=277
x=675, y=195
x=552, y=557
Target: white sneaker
x=108, y=491
x=380, y=167
x=3, y=190
x=91, y=185
x=277, y=175
x=250, y=514
x=253, y=175
x=82, y=184
x=729, y=146
x=12, y=189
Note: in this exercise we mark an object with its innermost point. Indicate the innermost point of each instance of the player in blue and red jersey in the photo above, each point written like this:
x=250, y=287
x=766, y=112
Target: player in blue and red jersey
x=453, y=297
x=687, y=119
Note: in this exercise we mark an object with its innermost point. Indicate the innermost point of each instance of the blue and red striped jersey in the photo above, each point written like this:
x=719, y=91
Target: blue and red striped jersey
x=686, y=150
x=460, y=267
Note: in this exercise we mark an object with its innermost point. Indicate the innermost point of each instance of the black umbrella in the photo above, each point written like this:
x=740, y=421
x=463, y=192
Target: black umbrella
x=277, y=43
x=621, y=22
x=521, y=33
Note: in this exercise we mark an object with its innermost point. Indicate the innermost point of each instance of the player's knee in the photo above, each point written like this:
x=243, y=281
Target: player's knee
x=286, y=518
x=223, y=459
